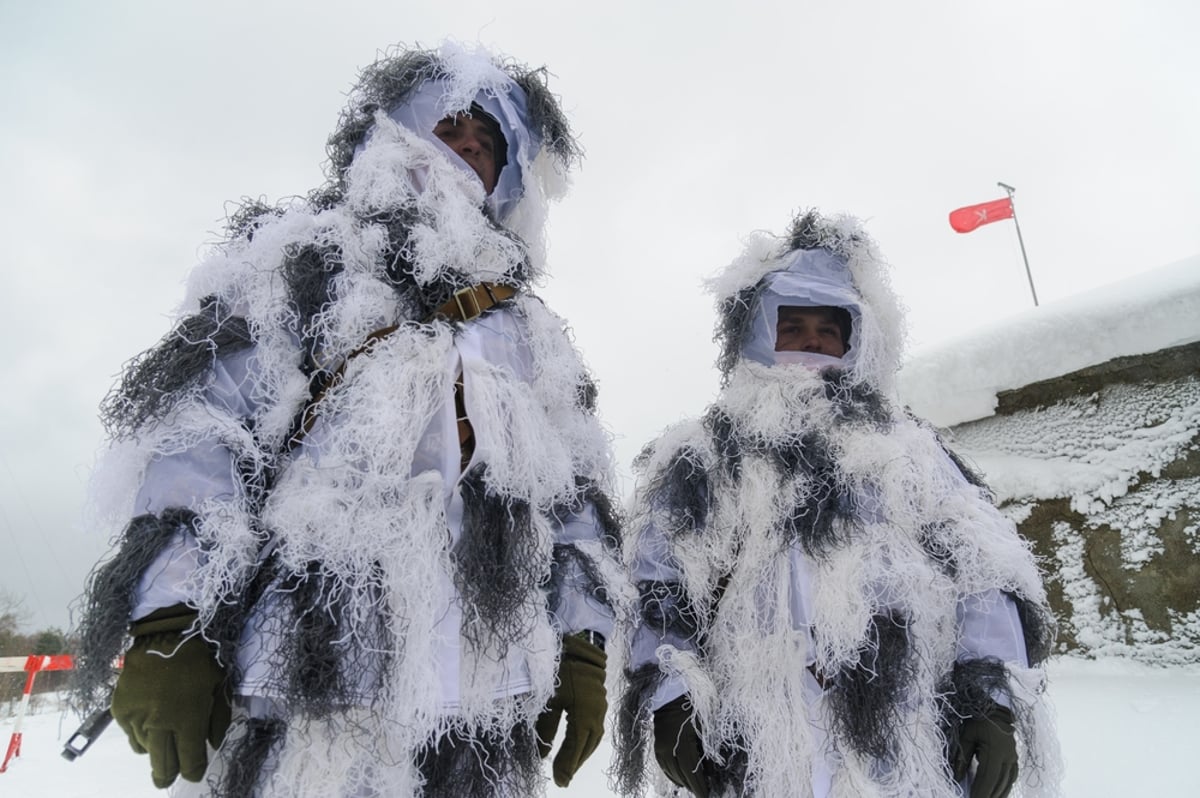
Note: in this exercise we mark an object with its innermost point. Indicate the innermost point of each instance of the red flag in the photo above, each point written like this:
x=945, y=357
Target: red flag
x=964, y=220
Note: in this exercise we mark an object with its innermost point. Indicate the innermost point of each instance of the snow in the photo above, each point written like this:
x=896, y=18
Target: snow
x=1126, y=729
x=1088, y=449
x=958, y=380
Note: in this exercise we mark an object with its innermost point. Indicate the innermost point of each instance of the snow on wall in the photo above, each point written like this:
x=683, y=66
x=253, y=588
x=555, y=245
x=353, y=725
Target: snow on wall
x=1124, y=540
x=1105, y=454
x=1088, y=449
x=959, y=380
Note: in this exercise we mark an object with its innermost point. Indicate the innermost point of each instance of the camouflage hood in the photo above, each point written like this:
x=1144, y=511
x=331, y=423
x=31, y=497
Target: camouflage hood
x=416, y=88
x=822, y=261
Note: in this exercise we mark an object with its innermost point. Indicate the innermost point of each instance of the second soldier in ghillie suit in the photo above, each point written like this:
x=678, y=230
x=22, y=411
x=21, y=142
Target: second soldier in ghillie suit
x=830, y=604
x=361, y=490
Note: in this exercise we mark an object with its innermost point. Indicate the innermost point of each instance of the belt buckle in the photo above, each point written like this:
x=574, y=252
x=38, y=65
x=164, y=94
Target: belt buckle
x=474, y=300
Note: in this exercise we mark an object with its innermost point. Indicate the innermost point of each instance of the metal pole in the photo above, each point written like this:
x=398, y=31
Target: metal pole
x=1020, y=239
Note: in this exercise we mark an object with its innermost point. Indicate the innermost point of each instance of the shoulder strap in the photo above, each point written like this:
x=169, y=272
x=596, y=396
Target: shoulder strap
x=322, y=382
x=464, y=305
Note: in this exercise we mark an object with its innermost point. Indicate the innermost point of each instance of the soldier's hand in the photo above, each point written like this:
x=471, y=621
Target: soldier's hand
x=172, y=696
x=990, y=740
x=581, y=696
x=677, y=746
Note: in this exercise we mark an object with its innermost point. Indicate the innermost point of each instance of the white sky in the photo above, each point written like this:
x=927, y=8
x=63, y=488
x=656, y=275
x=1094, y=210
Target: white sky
x=126, y=126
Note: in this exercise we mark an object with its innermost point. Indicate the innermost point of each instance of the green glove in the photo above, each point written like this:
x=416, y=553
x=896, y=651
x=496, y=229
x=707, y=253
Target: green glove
x=581, y=695
x=990, y=740
x=677, y=746
x=171, y=696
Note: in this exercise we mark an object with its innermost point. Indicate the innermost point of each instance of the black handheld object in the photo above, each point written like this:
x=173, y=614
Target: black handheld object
x=86, y=734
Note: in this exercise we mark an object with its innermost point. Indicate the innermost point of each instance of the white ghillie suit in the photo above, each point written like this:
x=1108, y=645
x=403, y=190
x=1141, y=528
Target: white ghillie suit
x=372, y=594
x=807, y=532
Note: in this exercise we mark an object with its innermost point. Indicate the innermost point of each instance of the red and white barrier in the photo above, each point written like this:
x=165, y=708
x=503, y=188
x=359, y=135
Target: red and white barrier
x=32, y=666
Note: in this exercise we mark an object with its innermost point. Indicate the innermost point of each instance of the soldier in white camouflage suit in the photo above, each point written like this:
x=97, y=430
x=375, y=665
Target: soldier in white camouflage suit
x=368, y=488
x=830, y=604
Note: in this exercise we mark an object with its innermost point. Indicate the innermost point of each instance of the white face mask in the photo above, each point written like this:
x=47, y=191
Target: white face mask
x=810, y=360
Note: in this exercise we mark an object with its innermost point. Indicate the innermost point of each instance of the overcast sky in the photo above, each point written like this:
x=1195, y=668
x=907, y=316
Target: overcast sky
x=125, y=127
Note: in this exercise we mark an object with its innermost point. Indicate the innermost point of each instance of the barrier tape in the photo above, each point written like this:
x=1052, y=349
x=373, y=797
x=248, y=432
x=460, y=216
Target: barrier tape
x=32, y=665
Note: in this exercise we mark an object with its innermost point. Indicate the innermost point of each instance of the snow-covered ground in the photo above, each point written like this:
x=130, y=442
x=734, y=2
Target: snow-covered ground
x=1127, y=730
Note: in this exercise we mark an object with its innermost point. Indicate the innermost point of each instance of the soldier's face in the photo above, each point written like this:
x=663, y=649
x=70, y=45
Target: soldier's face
x=471, y=139
x=809, y=330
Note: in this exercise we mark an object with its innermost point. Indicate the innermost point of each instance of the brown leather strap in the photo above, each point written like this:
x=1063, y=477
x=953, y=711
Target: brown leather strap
x=466, y=432
x=469, y=303
x=464, y=305
x=308, y=416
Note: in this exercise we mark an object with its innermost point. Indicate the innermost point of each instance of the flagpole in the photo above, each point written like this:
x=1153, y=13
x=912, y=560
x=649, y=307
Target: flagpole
x=1020, y=239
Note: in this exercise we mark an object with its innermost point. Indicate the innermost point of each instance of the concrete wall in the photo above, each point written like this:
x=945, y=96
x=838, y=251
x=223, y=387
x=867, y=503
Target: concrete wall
x=1101, y=470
